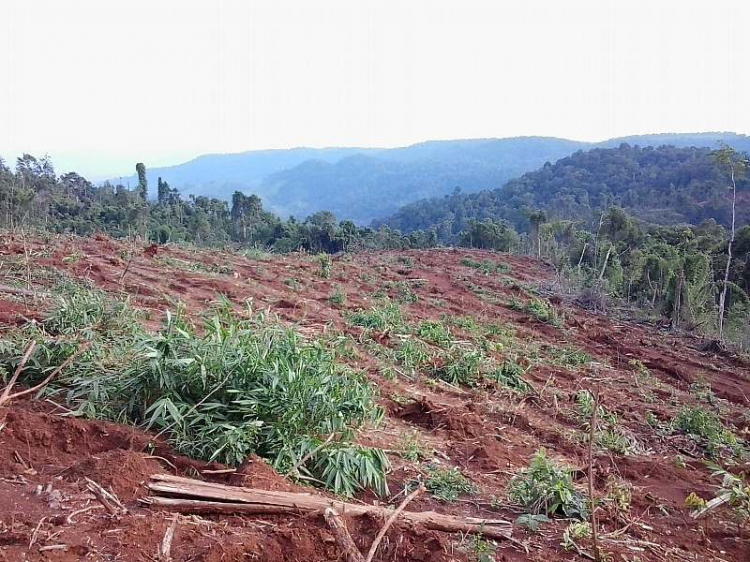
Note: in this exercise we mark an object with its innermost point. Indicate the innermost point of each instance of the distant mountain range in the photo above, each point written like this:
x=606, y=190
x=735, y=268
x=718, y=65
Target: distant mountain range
x=362, y=184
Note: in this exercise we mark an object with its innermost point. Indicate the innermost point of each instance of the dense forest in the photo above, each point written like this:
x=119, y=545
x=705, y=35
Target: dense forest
x=664, y=185
x=362, y=184
x=34, y=196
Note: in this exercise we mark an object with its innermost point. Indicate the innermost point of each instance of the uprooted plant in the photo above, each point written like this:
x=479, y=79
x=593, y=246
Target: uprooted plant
x=217, y=390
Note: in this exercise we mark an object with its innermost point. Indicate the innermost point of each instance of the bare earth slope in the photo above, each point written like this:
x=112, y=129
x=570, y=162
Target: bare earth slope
x=644, y=373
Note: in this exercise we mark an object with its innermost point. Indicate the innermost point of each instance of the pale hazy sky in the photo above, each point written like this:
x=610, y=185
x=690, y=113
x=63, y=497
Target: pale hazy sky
x=101, y=84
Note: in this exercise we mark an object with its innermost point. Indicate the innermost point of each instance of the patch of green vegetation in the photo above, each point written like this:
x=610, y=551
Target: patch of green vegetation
x=411, y=448
x=324, y=263
x=219, y=389
x=569, y=356
x=531, y=522
x=487, y=267
x=703, y=392
x=608, y=434
x=435, y=332
x=540, y=309
x=575, y=532
x=447, y=484
x=337, y=297
x=404, y=293
x=459, y=367
x=412, y=354
x=510, y=375
x=198, y=266
x=707, y=429
x=386, y=316
x=292, y=283
x=406, y=261
x=546, y=488
x=255, y=254
x=478, y=549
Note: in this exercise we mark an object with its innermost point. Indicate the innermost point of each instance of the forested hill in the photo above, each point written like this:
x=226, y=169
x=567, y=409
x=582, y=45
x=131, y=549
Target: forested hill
x=362, y=184
x=664, y=185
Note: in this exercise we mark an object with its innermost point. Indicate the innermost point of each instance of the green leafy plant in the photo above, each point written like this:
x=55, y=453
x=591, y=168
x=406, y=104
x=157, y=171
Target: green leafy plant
x=706, y=427
x=217, y=390
x=410, y=447
x=537, y=308
x=447, y=484
x=546, y=488
x=575, y=532
x=510, y=375
x=435, y=332
x=324, y=261
x=530, y=521
x=459, y=367
x=412, y=354
x=386, y=316
x=338, y=297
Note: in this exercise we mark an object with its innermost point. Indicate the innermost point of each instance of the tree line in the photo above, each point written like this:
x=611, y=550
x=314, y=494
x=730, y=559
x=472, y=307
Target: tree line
x=33, y=195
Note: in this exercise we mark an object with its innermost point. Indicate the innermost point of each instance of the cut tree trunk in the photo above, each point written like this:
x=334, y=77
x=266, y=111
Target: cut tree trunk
x=186, y=495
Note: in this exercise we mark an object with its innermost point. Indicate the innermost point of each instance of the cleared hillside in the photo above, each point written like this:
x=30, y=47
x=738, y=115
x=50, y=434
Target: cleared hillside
x=478, y=366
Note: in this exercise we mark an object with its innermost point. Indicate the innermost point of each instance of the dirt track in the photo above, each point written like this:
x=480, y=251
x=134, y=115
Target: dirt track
x=487, y=434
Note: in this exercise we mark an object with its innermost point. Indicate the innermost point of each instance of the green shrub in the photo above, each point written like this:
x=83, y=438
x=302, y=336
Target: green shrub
x=324, y=261
x=510, y=375
x=546, y=488
x=219, y=390
x=338, y=297
x=447, y=484
x=378, y=318
x=706, y=427
x=539, y=309
x=434, y=332
x=411, y=448
x=459, y=367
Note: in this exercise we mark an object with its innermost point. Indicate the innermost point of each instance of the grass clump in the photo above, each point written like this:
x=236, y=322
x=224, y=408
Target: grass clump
x=540, y=309
x=707, y=429
x=324, y=263
x=608, y=433
x=570, y=357
x=411, y=448
x=337, y=297
x=412, y=354
x=459, y=367
x=486, y=266
x=435, y=332
x=447, y=484
x=546, y=488
x=219, y=389
x=380, y=318
x=510, y=375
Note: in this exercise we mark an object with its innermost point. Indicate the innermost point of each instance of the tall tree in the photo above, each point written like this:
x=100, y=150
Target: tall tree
x=140, y=169
x=735, y=167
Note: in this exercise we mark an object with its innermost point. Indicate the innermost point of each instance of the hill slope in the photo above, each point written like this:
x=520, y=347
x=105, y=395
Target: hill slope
x=486, y=430
x=664, y=185
x=376, y=182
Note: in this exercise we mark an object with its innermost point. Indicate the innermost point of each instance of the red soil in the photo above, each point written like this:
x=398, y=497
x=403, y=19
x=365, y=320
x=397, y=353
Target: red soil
x=487, y=433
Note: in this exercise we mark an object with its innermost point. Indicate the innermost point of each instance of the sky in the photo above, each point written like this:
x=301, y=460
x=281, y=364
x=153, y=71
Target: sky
x=101, y=84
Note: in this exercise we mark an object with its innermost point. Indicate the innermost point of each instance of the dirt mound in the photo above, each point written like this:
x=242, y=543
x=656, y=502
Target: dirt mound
x=120, y=471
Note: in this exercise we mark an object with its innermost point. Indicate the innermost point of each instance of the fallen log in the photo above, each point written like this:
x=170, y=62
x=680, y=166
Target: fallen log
x=342, y=536
x=186, y=495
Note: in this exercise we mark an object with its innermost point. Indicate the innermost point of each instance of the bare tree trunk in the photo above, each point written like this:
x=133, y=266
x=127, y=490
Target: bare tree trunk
x=723, y=296
x=604, y=267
